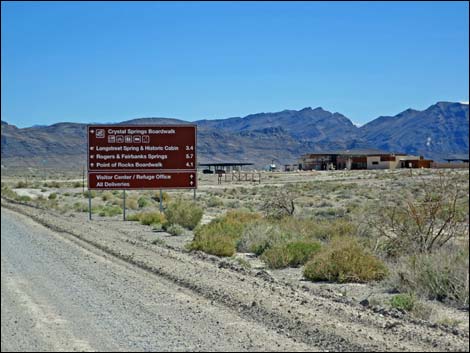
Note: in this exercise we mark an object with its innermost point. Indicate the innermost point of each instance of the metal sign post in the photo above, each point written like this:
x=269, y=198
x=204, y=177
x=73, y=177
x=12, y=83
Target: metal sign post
x=124, y=205
x=83, y=179
x=89, y=205
x=161, y=201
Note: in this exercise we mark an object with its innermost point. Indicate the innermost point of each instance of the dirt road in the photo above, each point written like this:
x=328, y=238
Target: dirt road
x=101, y=285
x=59, y=296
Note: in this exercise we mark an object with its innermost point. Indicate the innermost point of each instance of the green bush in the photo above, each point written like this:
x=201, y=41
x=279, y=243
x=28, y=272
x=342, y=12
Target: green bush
x=175, y=229
x=24, y=198
x=22, y=185
x=142, y=202
x=219, y=237
x=149, y=218
x=80, y=207
x=214, y=202
x=109, y=211
x=185, y=213
x=133, y=217
x=404, y=302
x=344, y=260
x=7, y=192
x=290, y=255
x=52, y=196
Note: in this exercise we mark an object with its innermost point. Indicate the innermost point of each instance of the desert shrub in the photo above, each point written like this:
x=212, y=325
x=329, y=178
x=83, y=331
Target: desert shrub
x=52, y=184
x=219, y=237
x=80, y=207
x=324, y=230
x=425, y=222
x=214, y=202
x=279, y=204
x=291, y=254
x=185, y=213
x=142, y=202
x=175, y=229
x=52, y=196
x=344, y=260
x=404, y=302
x=24, y=198
x=115, y=201
x=441, y=275
x=77, y=184
x=165, y=197
x=258, y=236
x=107, y=196
x=109, y=211
x=133, y=217
x=90, y=193
x=132, y=204
x=149, y=218
x=233, y=204
x=22, y=185
x=7, y=192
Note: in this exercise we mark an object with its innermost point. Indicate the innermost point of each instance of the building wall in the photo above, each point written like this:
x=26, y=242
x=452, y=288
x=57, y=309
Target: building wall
x=340, y=162
x=376, y=162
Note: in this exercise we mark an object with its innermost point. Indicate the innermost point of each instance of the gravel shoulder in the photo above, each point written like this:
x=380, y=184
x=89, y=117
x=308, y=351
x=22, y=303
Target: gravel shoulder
x=296, y=313
x=59, y=296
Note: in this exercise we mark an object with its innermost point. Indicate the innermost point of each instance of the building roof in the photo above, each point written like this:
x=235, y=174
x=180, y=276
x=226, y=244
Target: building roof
x=354, y=152
x=225, y=164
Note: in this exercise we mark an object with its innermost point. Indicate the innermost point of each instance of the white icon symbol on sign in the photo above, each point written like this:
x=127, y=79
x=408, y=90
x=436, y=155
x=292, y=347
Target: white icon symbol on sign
x=128, y=138
x=111, y=139
x=146, y=139
x=100, y=133
x=119, y=139
x=137, y=139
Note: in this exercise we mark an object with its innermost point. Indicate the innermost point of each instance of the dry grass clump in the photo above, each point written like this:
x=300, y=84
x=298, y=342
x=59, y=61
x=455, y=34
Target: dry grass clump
x=148, y=218
x=441, y=275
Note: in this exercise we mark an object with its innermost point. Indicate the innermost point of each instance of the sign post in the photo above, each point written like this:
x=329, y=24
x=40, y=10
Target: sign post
x=141, y=157
x=124, y=205
x=89, y=205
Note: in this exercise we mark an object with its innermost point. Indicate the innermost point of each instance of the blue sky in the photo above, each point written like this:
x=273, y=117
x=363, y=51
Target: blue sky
x=103, y=62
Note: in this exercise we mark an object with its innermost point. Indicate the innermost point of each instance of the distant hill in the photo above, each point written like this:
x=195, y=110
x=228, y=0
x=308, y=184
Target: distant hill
x=437, y=132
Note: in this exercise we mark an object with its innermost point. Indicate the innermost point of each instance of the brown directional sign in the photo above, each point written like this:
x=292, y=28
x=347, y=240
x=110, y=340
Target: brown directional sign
x=141, y=147
x=142, y=157
x=142, y=180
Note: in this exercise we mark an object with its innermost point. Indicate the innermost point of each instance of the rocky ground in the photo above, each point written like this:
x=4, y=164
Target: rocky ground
x=322, y=317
